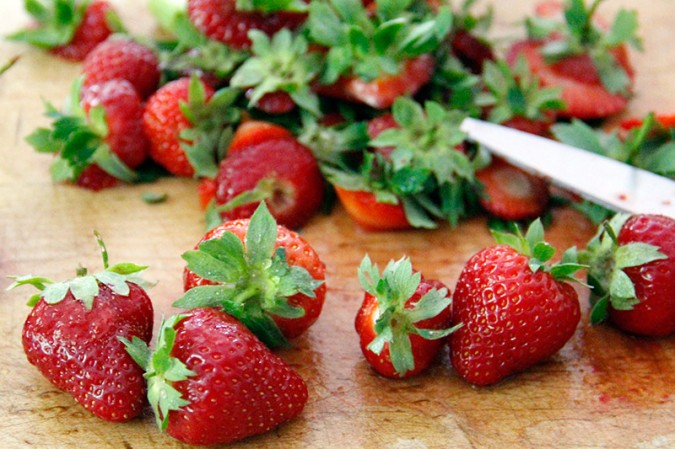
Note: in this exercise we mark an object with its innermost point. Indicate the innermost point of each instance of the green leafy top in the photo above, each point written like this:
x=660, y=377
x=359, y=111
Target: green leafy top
x=650, y=146
x=532, y=244
x=395, y=322
x=516, y=92
x=85, y=287
x=606, y=260
x=268, y=6
x=78, y=140
x=280, y=64
x=465, y=19
x=253, y=280
x=578, y=34
x=368, y=46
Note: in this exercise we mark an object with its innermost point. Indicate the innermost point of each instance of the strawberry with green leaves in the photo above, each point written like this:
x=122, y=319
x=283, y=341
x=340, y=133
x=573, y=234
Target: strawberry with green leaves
x=403, y=320
x=261, y=273
x=211, y=381
x=515, y=309
x=632, y=271
x=72, y=335
x=98, y=138
x=590, y=63
x=69, y=29
x=467, y=41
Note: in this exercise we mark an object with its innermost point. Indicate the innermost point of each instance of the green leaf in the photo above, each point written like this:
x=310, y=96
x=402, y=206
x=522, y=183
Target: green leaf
x=205, y=296
x=636, y=254
x=261, y=236
x=623, y=28
x=38, y=282
x=154, y=197
x=113, y=165
x=127, y=268
x=138, y=350
x=84, y=289
x=56, y=292
x=600, y=310
x=116, y=282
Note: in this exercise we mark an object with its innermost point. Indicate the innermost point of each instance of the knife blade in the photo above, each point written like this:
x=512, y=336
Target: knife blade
x=603, y=180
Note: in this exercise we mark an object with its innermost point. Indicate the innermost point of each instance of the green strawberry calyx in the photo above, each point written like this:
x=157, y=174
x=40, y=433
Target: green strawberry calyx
x=254, y=281
x=395, y=322
x=607, y=260
x=270, y=6
x=85, y=287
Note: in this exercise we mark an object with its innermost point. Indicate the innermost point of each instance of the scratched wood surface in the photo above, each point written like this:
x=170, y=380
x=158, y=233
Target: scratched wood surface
x=604, y=389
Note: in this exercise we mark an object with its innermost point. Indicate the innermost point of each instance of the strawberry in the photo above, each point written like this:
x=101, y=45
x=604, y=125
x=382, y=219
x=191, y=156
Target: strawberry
x=124, y=58
x=403, y=319
x=263, y=274
x=510, y=193
x=230, y=21
x=471, y=50
x=279, y=171
x=211, y=381
x=72, y=336
x=632, y=270
x=187, y=125
x=371, y=214
x=99, y=137
x=253, y=132
x=69, y=29
x=514, y=308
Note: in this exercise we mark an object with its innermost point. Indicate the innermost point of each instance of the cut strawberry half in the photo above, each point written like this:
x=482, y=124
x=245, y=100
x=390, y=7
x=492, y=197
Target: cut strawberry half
x=253, y=132
x=364, y=209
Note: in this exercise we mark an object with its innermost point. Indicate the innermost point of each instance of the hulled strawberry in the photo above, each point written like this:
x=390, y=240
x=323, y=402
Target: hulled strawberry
x=211, y=381
x=403, y=319
x=72, y=336
x=69, y=28
x=588, y=62
x=515, y=310
x=632, y=271
x=98, y=138
x=261, y=273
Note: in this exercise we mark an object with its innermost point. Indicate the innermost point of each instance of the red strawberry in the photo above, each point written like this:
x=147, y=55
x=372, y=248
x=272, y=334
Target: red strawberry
x=632, y=270
x=514, y=309
x=364, y=208
x=403, y=319
x=273, y=283
x=211, y=381
x=510, y=193
x=101, y=138
x=121, y=57
x=253, y=132
x=220, y=20
x=72, y=336
x=664, y=120
x=472, y=51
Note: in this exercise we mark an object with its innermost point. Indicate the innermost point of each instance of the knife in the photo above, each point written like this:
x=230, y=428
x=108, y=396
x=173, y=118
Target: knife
x=603, y=180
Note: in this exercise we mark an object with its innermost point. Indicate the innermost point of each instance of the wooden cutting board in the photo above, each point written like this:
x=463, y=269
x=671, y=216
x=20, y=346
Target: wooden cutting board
x=604, y=389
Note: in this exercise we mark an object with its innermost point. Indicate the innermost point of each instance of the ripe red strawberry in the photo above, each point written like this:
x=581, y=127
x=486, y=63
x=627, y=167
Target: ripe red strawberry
x=371, y=214
x=99, y=140
x=471, y=50
x=69, y=28
x=222, y=21
x=632, y=270
x=403, y=319
x=514, y=309
x=211, y=381
x=510, y=193
x=263, y=274
x=124, y=58
x=252, y=132
x=72, y=336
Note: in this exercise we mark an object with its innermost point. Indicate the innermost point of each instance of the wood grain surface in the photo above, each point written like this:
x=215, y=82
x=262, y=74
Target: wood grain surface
x=603, y=390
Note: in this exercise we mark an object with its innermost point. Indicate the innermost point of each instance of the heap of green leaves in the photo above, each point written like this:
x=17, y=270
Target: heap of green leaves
x=579, y=35
x=253, y=280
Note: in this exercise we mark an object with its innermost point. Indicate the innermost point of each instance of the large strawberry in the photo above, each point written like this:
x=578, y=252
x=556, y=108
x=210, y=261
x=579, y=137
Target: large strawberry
x=514, y=309
x=72, y=336
x=403, y=319
x=211, y=381
x=69, y=28
x=265, y=275
x=98, y=139
x=632, y=270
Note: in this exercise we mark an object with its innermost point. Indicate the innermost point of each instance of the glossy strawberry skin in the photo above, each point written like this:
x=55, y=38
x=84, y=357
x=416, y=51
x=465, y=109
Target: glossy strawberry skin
x=512, y=318
x=654, y=282
x=424, y=351
x=93, y=30
x=219, y=20
x=239, y=388
x=299, y=253
x=371, y=215
x=125, y=59
x=80, y=353
x=253, y=132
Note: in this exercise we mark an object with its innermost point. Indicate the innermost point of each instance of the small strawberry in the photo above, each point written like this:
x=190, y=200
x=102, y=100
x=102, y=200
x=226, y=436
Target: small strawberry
x=263, y=274
x=98, y=139
x=467, y=41
x=69, y=28
x=252, y=132
x=403, y=319
x=632, y=270
x=370, y=213
x=72, y=336
x=187, y=124
x=211, y=381
x=123, y=58
x=514, y=308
